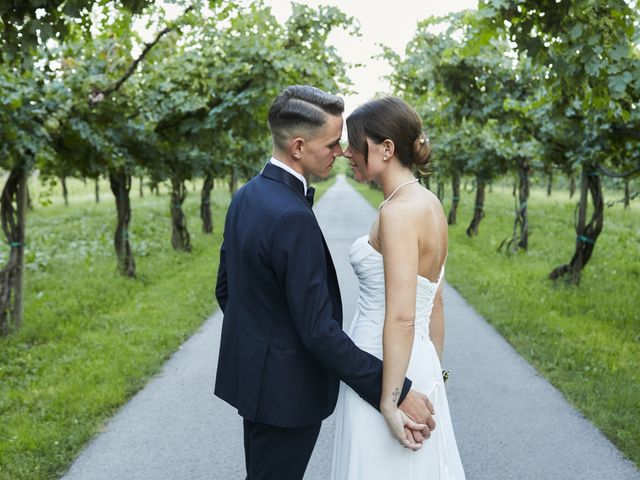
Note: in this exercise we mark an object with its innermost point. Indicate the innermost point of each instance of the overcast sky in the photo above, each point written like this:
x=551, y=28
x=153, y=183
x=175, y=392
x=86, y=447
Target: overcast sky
x=392, y=23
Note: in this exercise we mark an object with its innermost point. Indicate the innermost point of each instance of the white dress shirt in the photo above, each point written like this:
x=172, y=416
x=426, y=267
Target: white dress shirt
x=287, y=168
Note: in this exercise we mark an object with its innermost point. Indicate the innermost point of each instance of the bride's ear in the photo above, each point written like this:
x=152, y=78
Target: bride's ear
x=389, y=149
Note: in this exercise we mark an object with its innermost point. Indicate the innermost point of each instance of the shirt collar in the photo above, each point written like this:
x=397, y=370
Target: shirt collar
x=287, y=168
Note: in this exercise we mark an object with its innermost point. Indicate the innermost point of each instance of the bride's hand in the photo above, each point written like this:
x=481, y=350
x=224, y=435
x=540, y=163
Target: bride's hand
x=399, y=424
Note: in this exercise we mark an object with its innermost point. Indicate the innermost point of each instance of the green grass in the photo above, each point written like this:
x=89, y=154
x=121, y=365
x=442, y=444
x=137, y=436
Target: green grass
x=92, y=338
x=585, y=340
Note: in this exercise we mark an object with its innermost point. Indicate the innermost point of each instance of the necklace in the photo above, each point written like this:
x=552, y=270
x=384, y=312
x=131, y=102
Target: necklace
x=384, y=202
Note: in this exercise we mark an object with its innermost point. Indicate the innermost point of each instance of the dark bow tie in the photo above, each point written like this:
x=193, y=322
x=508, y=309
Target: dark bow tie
x=309, y=196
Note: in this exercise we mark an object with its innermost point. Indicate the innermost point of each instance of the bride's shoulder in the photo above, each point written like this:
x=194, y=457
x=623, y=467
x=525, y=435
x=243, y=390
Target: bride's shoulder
x=410, y=213
x=431, y=202
x=411, y=206
x=400, y=215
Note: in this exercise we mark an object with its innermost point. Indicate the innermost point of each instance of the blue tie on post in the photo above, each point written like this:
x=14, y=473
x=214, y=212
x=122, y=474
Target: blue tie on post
x=309, y=196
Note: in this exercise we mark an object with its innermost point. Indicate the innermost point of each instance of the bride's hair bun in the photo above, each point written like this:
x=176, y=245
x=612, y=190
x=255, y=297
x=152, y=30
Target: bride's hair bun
x=421, y=151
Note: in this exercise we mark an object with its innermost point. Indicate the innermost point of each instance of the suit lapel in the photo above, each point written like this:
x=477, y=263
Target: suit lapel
x=281, y=175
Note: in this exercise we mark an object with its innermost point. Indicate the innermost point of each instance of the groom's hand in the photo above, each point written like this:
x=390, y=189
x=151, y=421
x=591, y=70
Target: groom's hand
x=418, y=407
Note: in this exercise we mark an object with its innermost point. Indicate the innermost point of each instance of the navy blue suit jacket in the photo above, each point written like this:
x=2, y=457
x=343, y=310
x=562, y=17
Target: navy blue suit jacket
x=283, y=350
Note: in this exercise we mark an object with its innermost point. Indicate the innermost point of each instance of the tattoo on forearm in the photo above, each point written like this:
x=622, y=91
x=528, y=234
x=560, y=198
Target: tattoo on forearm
x=395, y=395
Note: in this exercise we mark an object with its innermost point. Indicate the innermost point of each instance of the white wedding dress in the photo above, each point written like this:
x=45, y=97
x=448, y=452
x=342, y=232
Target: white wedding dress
x=364, y=448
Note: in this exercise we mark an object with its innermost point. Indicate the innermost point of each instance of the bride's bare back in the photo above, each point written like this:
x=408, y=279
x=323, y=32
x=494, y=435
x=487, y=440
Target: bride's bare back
x=419, y=209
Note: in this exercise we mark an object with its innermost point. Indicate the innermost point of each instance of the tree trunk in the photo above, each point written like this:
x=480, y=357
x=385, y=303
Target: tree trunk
x=65, y=192
x=180, y=239
x=587, y=233
x=455, y=201
x=520, y=237
x=141, y=185
x=440, y=190
x=13, y=225
x=478, y=211
x=205, y=203
x=572, y=186
x=627, y=197
x=549, y=183
x=121, y=186
x=233, y=182
x=97, y=190
x=522, y=216
x=29, y=200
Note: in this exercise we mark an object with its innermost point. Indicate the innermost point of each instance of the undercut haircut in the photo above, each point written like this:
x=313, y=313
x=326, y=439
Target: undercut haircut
x=300, y=110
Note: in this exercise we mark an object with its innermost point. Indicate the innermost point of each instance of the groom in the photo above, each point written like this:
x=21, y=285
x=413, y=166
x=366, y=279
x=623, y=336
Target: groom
x=283, y=350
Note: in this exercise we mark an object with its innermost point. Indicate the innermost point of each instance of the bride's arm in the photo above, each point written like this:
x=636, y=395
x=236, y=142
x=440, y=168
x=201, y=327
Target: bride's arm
x=399, y=242
x=436, y=325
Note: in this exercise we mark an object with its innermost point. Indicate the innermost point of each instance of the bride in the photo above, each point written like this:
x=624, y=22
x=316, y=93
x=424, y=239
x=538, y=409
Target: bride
x=400, y=267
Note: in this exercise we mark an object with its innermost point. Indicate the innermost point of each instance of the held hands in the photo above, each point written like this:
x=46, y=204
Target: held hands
x=402, y=427
x=417, y=407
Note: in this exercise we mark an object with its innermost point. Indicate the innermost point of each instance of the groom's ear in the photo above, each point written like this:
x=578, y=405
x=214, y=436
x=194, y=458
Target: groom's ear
x=297, y=147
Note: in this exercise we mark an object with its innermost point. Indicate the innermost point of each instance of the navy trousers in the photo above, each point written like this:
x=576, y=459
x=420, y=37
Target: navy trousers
x=275, y=453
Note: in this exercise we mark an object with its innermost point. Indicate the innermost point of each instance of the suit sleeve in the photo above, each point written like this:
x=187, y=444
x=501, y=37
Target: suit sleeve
x=300, y=265
x=222, y=292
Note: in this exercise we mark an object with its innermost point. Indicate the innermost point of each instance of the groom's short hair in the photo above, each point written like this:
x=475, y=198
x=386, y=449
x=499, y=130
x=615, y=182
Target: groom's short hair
x=301, y=109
